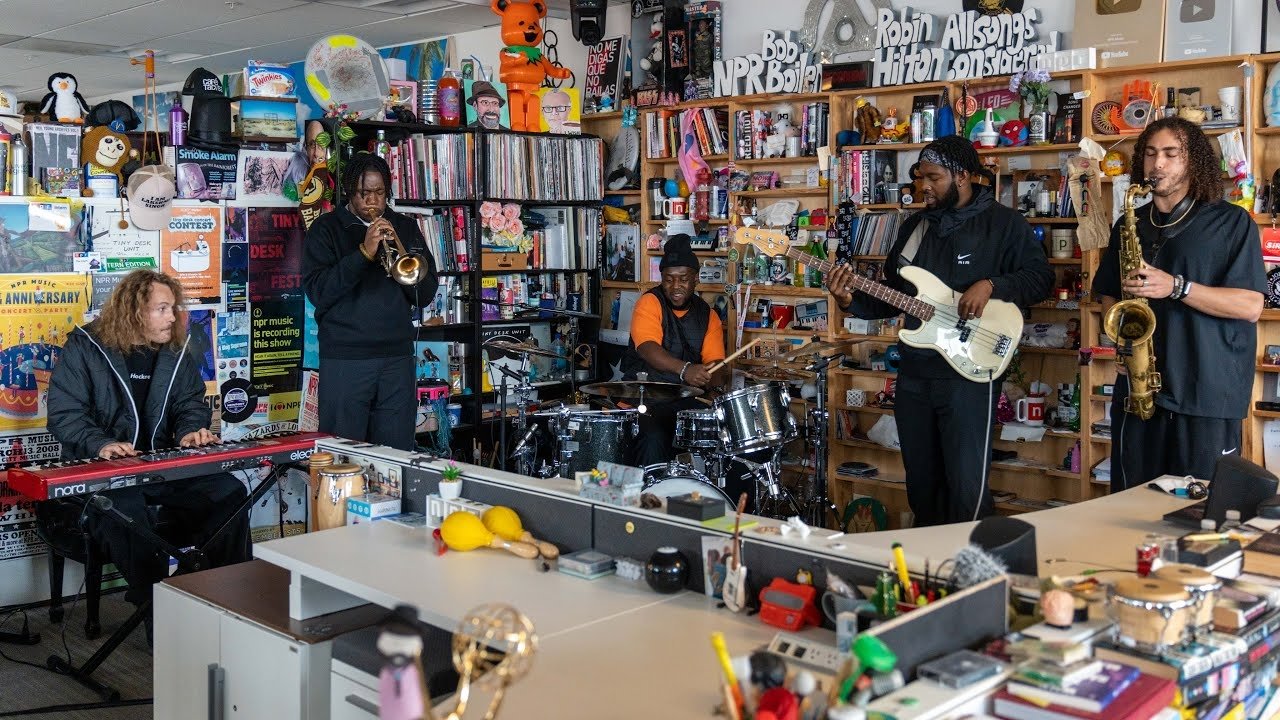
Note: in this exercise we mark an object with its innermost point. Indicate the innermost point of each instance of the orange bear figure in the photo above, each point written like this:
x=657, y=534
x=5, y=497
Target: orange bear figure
x=523, y=67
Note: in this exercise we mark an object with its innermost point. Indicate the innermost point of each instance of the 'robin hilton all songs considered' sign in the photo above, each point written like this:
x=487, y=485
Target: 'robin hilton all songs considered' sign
x=972, y=45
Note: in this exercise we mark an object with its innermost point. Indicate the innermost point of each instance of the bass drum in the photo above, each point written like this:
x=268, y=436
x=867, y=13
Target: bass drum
x=670, y=479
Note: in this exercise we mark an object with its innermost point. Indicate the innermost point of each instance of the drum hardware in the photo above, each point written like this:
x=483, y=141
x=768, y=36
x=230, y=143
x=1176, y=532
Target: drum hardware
x=819, y=507
x=773, y=499
x=819, y=348
x=588, y=437
x=1150, y=613
x=755, y=417
x=641, y=389
x=524, y=449
x=676, y=478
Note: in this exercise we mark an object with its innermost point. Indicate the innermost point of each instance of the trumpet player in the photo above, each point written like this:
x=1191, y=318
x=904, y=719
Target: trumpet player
x=366, y=270
x=1203, y=278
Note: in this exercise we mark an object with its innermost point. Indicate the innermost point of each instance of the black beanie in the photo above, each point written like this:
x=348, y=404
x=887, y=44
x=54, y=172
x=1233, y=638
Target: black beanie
x=677, y=253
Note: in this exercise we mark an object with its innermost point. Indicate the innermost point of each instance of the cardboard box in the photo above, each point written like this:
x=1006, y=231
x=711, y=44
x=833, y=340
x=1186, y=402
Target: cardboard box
x=1125, y=32
x=371, y=506
x=503, y=261
x=1197, y=29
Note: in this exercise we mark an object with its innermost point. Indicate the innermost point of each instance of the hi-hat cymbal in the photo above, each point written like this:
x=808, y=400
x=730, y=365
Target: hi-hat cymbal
x=635, y=390
x=774, y=372
x=523, y=349
x=820, y=347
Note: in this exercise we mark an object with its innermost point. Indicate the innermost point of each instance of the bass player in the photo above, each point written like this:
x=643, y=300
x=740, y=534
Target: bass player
x=982, y=250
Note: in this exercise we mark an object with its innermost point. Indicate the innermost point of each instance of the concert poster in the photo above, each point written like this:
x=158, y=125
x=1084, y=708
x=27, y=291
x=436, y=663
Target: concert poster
x=191, y=251
x=275, y=254
x=36, y=313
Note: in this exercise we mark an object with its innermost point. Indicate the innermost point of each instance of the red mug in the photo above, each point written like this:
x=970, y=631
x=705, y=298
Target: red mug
x=1030, y=410
x=782, y=315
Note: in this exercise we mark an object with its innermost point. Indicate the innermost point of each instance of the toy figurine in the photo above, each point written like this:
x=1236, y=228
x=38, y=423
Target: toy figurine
x=522, y=65
x=1058, y=607
x=105, y=150
x=402, y=689
x=63, y=103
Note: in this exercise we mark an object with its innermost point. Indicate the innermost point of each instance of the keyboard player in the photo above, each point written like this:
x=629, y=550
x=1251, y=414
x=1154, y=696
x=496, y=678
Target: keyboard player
x=127, y=384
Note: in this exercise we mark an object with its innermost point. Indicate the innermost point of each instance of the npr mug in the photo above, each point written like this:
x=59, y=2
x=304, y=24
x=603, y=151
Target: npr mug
x=1030, y=410
x=676, y=208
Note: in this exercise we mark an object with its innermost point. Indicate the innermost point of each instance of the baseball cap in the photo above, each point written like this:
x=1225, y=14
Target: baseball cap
x=151, y=192
x=202, y=83
x=10, y=117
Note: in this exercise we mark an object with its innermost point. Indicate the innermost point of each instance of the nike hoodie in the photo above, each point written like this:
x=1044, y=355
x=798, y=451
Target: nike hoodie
x=961, y=246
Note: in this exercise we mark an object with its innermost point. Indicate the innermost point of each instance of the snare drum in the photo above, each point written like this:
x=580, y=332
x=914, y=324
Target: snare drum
x=670, y=479
x=1201, y=585
x=755, y=417
x=697, y=429
x=1150, y=614
x=589, y=437
x=337, y=483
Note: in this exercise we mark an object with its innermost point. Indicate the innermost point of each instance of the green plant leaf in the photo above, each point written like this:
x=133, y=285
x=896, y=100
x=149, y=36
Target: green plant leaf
x=323, y=139
x=345, y=134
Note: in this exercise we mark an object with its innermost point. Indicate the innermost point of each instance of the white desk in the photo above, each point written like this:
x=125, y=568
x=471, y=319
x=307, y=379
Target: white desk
x=611, y=643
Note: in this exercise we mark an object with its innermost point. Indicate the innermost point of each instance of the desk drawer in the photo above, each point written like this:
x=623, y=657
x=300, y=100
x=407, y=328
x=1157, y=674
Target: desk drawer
x=349, y=700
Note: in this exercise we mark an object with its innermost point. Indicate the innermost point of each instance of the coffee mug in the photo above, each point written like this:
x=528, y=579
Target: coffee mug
x=1229, y=102
x=782, y=315
x=1063, y=243
x=1030, y=410
x=855, y=397
x=833, y=604
x=676, y=208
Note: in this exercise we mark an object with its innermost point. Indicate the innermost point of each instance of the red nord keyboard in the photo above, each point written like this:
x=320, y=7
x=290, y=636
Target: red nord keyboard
x=81, y=477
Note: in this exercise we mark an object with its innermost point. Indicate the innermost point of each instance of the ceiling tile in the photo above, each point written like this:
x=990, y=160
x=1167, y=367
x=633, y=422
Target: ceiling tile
x=165, y=18
x=33, y=17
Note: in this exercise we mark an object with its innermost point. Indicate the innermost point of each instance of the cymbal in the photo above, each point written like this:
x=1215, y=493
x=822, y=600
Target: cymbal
x=523, y=349
x=775, y=373
x=820, y=347
x=631, y=390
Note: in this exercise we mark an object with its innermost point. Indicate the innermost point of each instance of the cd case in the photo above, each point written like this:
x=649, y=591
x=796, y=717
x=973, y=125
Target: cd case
x=960, y=668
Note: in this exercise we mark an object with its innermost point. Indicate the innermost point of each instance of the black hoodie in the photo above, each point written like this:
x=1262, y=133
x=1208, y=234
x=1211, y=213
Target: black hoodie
x=980, y=241
x=91, y=404
x=360, y=312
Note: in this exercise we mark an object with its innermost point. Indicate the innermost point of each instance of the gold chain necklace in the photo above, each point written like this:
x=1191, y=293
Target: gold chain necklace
x=1151, y=215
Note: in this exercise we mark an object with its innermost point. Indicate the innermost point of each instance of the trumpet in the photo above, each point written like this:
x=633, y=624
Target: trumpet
x=402, y=266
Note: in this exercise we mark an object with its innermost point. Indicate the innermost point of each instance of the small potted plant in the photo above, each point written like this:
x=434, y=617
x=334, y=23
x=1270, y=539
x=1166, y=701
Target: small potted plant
x=451, y=482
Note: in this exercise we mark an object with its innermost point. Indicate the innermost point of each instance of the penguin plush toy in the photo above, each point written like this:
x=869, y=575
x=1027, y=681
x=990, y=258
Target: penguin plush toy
x=64, y=103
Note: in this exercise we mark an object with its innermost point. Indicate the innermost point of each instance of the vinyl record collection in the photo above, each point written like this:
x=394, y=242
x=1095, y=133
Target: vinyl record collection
x=554, y=169
x=433, y=167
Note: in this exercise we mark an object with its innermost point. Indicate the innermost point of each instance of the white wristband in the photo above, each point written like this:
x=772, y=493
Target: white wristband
x=683, y=369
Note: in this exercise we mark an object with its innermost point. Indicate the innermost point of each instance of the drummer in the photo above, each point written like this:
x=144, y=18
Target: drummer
x=675, y=335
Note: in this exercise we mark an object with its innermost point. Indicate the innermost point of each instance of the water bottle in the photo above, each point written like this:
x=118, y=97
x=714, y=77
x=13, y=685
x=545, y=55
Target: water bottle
x=177, y=124
x=380, y=146
x=1232, y=521
x=18, y=153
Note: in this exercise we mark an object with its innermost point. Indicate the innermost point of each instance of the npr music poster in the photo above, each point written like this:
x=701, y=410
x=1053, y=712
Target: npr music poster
x=36, y=313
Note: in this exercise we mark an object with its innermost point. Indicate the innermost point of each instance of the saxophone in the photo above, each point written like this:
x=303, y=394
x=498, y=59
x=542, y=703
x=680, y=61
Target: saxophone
x=1131, y=322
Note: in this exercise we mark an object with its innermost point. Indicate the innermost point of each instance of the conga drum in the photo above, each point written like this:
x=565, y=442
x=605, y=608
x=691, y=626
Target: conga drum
x=337, y=483
x=1150, y=614
x=1203, y=587
x=317, y=461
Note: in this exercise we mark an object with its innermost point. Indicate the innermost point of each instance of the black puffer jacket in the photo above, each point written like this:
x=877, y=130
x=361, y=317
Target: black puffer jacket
x=90, y=403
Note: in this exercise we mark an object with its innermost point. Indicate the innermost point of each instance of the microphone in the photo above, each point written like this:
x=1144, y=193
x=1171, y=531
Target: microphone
x=524, y=441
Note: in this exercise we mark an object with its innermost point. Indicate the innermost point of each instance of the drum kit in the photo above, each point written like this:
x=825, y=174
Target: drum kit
x=748, y=427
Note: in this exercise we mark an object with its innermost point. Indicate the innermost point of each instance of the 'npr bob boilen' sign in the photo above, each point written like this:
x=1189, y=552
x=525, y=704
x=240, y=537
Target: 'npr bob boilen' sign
x=782, y=66
x=973, y=45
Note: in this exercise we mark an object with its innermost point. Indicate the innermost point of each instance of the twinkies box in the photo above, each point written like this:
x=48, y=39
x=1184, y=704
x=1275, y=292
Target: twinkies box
x=371, y=506
x=1125, y=32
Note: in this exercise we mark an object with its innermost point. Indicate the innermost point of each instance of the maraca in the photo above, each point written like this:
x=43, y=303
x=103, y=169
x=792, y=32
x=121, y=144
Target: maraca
x=505, y=523
x=464, y=531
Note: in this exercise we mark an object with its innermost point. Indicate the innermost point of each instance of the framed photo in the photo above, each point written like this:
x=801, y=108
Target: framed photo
x=262, y=174
x=1270, y=26
x=1271, y=356
x=404, y=93
x=1027, y=184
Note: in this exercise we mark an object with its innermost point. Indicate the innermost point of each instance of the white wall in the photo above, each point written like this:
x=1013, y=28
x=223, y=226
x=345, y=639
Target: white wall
x=745, y=20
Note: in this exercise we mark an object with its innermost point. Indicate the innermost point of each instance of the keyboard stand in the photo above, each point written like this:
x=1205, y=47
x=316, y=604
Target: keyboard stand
x=188, y=561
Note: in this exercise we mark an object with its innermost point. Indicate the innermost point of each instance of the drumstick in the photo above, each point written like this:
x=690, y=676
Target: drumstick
x=716, y=366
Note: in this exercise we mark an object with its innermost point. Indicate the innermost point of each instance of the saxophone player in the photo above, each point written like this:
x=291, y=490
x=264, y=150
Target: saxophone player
x=1202, y=275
